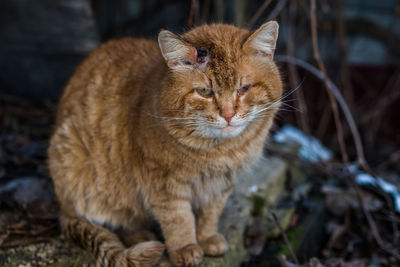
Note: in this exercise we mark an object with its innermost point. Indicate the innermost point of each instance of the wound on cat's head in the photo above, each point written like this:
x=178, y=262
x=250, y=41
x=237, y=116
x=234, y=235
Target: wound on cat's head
x=201, y=55
x=226, y=62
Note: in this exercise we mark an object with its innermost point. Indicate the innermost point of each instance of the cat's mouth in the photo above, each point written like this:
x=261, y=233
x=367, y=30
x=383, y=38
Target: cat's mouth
x=229, y=128
x=221, y=129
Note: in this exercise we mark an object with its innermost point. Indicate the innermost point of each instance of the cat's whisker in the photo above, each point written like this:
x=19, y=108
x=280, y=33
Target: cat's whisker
x=184, y=125
x=176, y=120
x=179, y=111
x=257, y=113
x=168, y=118
x=180, y=122
x=171, y=118
x=288, y=101
x=292, y=107
x=268, y=106
x=285, y=109
x=262, y=109
x=279, y=100
x=292, y=90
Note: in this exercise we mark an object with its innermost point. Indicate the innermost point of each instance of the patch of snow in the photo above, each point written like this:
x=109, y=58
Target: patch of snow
x=311, y=148
x=363, y=178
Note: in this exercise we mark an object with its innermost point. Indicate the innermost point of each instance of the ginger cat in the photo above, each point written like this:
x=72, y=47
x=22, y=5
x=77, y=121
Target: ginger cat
x=154, y=134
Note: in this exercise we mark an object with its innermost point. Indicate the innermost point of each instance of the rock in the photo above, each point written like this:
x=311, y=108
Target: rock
x=265, y=182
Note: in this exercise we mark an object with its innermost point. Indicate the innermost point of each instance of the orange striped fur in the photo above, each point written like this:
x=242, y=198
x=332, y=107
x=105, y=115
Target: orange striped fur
x=154, y=134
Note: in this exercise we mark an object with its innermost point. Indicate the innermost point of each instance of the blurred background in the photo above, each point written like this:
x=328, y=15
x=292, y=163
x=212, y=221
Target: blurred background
x=339, y=61
x=358, y=41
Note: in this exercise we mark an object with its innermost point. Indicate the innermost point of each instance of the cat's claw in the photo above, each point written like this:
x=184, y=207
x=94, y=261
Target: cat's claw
x=188, y=256
x=215, y=245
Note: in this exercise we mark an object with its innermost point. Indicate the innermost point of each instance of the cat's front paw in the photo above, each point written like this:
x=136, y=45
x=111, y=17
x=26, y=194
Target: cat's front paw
x=188, y=256
x=215, y=245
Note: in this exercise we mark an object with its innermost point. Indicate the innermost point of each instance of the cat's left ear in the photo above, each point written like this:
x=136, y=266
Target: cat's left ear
x=175, y=50
x=263, y=40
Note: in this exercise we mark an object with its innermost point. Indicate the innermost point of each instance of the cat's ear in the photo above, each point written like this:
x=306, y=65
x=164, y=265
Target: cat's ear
x=263, y=40
x=175, y=50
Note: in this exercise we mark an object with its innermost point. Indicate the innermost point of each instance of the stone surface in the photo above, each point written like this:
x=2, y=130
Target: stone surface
x=55, y=252
x=266, y=181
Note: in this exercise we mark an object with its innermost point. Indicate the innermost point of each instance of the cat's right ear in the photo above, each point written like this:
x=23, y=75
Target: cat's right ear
x=175, y=51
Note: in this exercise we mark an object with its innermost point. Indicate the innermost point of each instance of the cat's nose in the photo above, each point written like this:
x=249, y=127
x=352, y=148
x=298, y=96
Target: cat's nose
x=227, y=113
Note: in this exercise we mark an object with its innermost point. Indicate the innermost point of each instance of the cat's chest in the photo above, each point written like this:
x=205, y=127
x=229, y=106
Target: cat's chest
x=209, y=186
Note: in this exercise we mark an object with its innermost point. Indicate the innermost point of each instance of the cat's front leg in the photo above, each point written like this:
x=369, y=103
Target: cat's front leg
x=178, y=226
x=212, y=242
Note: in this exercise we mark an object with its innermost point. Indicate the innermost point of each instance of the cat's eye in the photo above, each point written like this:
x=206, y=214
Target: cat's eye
x=206, y=92
x=243, y=90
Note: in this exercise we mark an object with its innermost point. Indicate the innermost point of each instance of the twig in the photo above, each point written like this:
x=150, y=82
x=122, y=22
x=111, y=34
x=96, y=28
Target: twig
x=372, y=225
x=386, y=98
x=392, y=158
x=294, y=77
x=344, y=73
x=285, y=238
x=258, y=13
x=346, y=111
x=323, y=122
x=321, y=66
x=189, y=22
x=370, y=220
x=392, y=213
x=192, y=14
x=277, y=9
x=337, y=171
x=205, y=11
x=325, y=6
x=365, y=27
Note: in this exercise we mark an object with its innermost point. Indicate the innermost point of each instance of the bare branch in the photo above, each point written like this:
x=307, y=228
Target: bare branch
x=258, y=13
x=277, y=10
x=346, y=111
x=321, y=66
x=193, y=14
x=294, y=80
x=285, y=238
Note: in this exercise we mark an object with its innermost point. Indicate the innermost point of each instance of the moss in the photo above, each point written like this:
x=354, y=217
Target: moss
x=284, y=217
x=294, y=236
x=54, y=252
x=258, y=204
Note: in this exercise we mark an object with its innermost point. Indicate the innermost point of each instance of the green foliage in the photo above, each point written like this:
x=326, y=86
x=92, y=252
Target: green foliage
x=294, y=236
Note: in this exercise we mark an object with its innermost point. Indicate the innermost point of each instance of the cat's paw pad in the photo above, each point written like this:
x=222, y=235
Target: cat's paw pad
x=188, y=256
x=215, y=245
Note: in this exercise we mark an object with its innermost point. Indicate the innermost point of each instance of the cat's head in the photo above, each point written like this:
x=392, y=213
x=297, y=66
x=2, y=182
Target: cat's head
x=221, y=79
